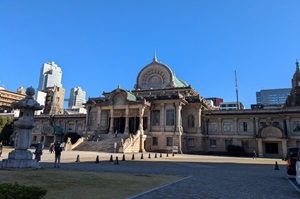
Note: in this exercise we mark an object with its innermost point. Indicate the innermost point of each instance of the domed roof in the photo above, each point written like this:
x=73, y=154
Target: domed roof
x=157, y=75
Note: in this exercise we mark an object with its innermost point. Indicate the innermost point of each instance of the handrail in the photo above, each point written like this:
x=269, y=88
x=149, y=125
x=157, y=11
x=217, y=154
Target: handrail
x=131, y=140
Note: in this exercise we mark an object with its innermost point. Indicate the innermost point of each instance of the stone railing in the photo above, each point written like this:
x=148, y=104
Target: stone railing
x=79, y=141
x=129, y=142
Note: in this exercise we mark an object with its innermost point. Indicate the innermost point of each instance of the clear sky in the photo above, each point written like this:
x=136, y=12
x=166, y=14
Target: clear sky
x=102, y=43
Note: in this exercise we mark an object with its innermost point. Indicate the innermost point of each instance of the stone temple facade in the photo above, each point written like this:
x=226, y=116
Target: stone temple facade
x=158, y=115
x=165, y=114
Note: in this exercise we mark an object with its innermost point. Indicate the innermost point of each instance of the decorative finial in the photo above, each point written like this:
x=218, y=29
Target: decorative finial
x=297, y=65
x=119, y=86
x=154, y=58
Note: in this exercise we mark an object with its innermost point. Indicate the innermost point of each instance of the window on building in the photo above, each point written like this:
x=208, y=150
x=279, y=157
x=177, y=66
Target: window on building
x=191, y=121
x=190, y=142
x=155, y=118
x=169, y=141
x=34, y=138
x=245, y=144
x=228, y=142
x=212, y=126
x=170, y=117
x=154, y=141
x=227, y=126
x=243, y=126
x=213, y=143
x=296, y=126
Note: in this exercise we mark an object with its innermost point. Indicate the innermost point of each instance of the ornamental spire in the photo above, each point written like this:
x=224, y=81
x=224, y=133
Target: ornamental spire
x=297, y=65
x=154, y=58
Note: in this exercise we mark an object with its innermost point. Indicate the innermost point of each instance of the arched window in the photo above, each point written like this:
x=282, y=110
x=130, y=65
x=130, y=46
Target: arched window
x=191, y=121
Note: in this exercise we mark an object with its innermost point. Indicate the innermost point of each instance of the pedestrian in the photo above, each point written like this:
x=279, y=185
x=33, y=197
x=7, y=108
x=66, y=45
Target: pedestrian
x=51, y=148
x=116, y=134
x=254, y=155
x=57, y=151
x=1, y=147
x=38, y=153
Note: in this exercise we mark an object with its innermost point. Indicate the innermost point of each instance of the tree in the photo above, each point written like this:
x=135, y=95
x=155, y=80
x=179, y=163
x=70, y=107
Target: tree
x=6, y=128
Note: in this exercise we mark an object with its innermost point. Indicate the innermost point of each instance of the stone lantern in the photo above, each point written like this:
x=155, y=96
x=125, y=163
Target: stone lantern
x=21, y=157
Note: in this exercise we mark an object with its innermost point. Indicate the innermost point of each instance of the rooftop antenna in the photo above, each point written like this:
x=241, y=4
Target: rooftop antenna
x=236, y=91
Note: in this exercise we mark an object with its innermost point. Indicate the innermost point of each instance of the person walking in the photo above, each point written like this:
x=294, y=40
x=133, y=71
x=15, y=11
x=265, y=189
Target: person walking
x=57, y=151
x=38, y=153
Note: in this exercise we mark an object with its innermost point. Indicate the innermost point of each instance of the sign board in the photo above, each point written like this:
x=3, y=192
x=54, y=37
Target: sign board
x=175, y=149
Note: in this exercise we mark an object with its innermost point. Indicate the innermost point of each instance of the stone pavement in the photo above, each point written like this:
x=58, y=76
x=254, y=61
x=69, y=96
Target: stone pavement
x=202, y=176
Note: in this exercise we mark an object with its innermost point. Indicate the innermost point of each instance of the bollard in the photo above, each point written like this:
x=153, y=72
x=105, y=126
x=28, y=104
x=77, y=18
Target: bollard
x=142, y=157
x=173, y=154
x=132, y=157
x=77, y=159
x=155, y=155
x=160, y=155
x=111, y=158
x=97, y=159
x=167, y=155
x=117, y=161
x=276, y=166
x=123, y=158
x=149, y=156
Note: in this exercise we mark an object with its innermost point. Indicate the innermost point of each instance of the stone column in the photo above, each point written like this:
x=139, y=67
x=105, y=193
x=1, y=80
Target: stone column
x=198, y=120
x=235, y=126
x=256, y=126
x=288, y=126
x=260, y=148
x=99, y=119
x=127, y=120
x=251, y=126
x=178, y=117
x=162, y=117
x=111, y=126
x=149, y=119
x=219, y=126
x=284, y=148
x=141, y=115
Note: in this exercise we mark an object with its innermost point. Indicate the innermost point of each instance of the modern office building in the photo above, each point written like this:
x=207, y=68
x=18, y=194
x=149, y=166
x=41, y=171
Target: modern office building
x=231, y=106
x=50, y=76
x=269, y=97
x=8, y=97
x=50, y=91
x=77, y=98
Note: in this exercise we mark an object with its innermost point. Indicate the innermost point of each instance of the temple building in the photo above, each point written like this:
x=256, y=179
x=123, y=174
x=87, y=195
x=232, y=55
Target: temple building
x=157, y=115
x=165, y=114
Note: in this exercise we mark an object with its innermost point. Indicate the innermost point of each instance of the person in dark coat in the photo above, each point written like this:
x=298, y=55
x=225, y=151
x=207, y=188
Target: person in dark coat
x=38, y=152
x=57, y=151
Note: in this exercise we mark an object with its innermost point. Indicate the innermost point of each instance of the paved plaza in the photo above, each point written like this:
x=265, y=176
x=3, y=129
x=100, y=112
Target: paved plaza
x=201, y=176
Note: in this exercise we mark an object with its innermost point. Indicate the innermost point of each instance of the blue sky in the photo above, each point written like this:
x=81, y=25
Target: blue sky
x=102, y=43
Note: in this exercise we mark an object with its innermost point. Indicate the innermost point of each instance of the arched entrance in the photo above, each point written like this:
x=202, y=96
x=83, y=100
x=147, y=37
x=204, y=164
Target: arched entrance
x=273, y=144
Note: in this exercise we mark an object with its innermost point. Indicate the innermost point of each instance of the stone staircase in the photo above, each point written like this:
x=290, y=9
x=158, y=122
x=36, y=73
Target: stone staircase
x=104, y=144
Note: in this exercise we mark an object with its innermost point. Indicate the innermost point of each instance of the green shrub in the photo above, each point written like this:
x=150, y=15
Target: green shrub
x=16, y=191
x=235, y=150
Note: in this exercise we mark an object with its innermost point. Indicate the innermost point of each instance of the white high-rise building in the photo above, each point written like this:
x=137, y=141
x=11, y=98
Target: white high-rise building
x=77, y=97
x=50, y=76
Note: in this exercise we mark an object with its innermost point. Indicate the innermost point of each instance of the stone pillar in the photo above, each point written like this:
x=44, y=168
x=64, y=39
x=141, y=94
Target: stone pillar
x=219, y=125
x=149, y=119
x=141, y=115
x=99, y=119
x=111, y=126
x=198, y=120
x=162, y=117
x=288, y=126
x=256, y=126
x=127, y=120
x=284, y=148
x=251, y=125
x=260, y=148
x=178, y=117
x=235, y=126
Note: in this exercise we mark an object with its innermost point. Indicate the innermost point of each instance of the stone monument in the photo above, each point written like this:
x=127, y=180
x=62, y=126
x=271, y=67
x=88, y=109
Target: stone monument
x=21, y=157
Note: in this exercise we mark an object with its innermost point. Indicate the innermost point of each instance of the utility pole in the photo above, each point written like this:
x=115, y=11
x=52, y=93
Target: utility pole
x=237, y=91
